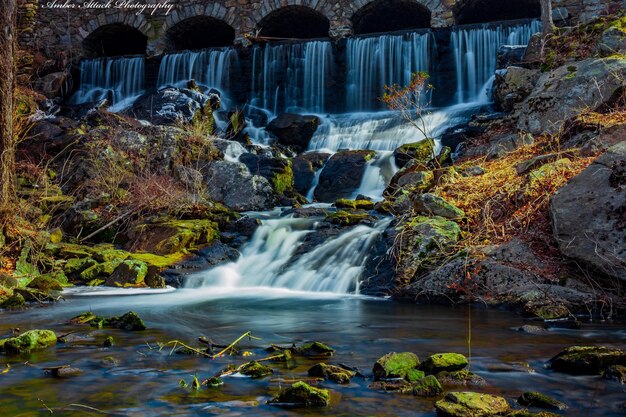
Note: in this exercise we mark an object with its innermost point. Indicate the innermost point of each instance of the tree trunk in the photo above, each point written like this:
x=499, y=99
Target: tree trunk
x=8, y=16
x=546, y=18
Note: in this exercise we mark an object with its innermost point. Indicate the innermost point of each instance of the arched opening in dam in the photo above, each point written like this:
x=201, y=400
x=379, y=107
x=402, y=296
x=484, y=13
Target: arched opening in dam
x=199, y=32
x=294, y=22
x=484, y=11
x=390, y=16
x=116, y=39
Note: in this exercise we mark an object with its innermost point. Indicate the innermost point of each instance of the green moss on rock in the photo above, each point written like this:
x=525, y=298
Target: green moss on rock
x=255, y=370
x=471, y=404
x=332, y=373
x=283, y=181
x=344, y=218
x=432, y=204
x=31, y=341
x=428, y=386
x=397, y=365
x=587, y=360
x=78, y=265
x=422, y=152
x=13, y=302
x=131, y=273
x=538, y=400
x=463, y=378
x=354, y=204
x=439, y=362
x=314, y=349
x=302, y=394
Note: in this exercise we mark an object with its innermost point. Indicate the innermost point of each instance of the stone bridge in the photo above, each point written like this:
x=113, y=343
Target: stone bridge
x=56, y=28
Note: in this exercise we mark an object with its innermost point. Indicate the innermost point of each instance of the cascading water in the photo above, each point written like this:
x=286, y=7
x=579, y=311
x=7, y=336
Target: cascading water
x=211, y=68
x=334, y=266
x=291, y=77
x=121, y=80
x=374, y=63
x=475, y=55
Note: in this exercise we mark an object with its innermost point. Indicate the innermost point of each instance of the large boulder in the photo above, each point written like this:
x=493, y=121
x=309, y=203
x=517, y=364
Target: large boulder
x=231, y=184
x=342, y=175
x=510, y=55
x=305, y=167
x=170, y=106
x=613, y=41
x=32, y=340
x=471, y=404
x=302, y=394
x=422, y=152
x=587, y=360
x=277, y=171
x=562, y=93
x=398, y=365
x=294, y=130
x=588, y=214
x=512, y=86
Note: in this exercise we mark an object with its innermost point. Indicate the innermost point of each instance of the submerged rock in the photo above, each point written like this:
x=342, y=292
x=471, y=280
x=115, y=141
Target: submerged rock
x=314, y=349
x=535, y=399
x=331, y=372
x=463, y=378
x=615, y=373
x=439, y=362
x=129, y=321
x=587, y=360
x=471, y=404
x=304, y=168
x=398, y=365
x=302, y=394
x=32, y=340
x=392, y=385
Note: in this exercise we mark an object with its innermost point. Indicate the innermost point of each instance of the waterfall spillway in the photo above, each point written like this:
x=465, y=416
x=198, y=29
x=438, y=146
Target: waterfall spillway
x=268, y=260
x=211, y=68
x=291, y=77
x=118, y=79
x=475, y=55
x=374, y=63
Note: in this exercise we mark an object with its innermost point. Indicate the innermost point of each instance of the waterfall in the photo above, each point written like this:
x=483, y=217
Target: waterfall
x=376, y=62
x=334, y=266
x=475, y=55
x=121, y=80
x=377, y=175
x=211, y=68
x=291, y=77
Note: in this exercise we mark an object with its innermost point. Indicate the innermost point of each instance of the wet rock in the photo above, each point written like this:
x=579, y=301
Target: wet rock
x=304, y=168
x=344, y=218
x=615, y=373
x=456, y=136
x=235, y=129
x=549, y=311
x=277, y=171
x=398, y=365
x=169, y=106
x=509, y=55
x=432, y=204
x=463, y=378
x=218, y=253
x=439, y=362
x=331, y=372
x=392, y=385
x=214, y=382
x=13, y=302
x=48, y=282
x=530, y=329
x=63, y=371
x=342, y=175
x=523, y=367
x=294, y=130
x=129, y=321
x=422, y=152
x=535, y=399
x=594, y=233
x=587, y=360
x=255, y=370
x=428, y=386
x=471, y=404
x=231, y=184
x=314, y=349
x=526, y=413
x=31, y=341
x=302, y=394
x=108, y=342
x=512, y=86
x=171, y=236
x=560, y=94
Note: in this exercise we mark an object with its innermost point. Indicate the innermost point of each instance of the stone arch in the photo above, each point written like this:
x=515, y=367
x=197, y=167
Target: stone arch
x=217, y=11
x=114, y=39
x=391, y=15
x=295, y=21
x=199, y=32
x=484, y=11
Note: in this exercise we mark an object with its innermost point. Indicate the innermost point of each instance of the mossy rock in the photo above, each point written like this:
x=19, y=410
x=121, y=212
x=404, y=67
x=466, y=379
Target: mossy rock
x=283, y=181
x=471, y=404
x=13, y=302
x=397, y=365
x=439, y=362
x=130, y=273
x=69, y=251
x=432, y=204
x=401, y=386
x=214, y=382
x=173, y=236
x=615, y=373
x=78, y=265
x=344, y=218
x=31, y=341
x=129, y=321
x=314, y=349
x=535, y=399
x=428, y=386
x=302, y=394
x=101, y=271
x=526, y=413
x=84, y=318
x=255, y=370
x=463, y=378
x=354, y=204
x=422, y=152
x=587, y=360
x=547, y=312
x=47, y=282
x=158, y=261
x=106, y=253
x=332, y=373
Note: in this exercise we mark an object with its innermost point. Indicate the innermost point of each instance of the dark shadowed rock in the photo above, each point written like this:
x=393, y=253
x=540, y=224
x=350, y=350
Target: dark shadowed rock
x=587, y=360
x=169, y=106
x=510, y=55
x=513, y=85
x=294, y=130
x=588, y=214
x=342, y=175
x=304, y=168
